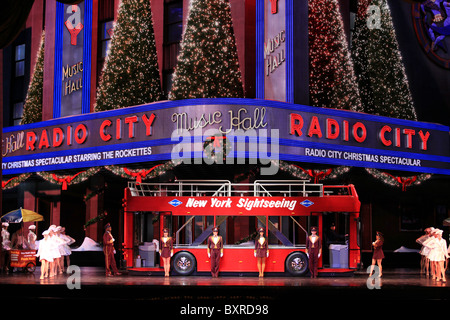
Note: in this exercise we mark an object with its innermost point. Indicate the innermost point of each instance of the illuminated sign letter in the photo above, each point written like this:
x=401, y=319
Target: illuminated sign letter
x=73, y=23
x=273, y=6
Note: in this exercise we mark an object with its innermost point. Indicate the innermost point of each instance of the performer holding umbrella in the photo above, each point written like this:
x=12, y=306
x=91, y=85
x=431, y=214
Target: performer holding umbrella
x=19, y=216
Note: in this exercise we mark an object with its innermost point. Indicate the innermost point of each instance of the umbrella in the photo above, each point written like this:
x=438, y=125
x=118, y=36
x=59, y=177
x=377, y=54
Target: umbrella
x=21, y=215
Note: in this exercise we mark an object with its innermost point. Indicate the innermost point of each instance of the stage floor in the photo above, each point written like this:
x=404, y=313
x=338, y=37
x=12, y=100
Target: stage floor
x=281, y=294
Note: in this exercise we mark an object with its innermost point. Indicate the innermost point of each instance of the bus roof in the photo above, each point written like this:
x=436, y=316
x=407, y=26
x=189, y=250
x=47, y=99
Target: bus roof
x=221, y=197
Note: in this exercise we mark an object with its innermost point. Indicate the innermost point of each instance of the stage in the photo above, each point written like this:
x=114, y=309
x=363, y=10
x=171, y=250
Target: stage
x=179, y=296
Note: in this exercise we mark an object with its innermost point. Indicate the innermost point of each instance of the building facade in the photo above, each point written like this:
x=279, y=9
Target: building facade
x=273, y=45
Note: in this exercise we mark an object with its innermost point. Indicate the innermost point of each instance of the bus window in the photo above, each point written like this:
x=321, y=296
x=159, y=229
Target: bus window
x=298, y=229
x=336, y=226
x=194, y=230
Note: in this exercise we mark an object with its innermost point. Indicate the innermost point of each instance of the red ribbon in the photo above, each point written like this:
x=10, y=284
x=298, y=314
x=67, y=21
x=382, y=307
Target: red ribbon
x=316, y=174
x=65, y=180
x=5, y=183
x=140, y=174
x=404, y=182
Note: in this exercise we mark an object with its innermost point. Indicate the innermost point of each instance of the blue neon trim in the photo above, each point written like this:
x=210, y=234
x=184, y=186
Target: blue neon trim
x=87, y=43
x=246, y=154
x=259, y=91
x=289, y=51
x=57, y=78
x=192, y=139
x=381, y=152
x=285, y=157
x=353, y=163
x=89, y=164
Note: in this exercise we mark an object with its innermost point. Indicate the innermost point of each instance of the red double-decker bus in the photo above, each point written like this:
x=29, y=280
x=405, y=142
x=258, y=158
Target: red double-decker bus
x=287, y=210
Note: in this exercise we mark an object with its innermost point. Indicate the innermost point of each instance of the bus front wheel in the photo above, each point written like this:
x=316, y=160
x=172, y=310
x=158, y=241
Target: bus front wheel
x=297, y=264
x=184, y=263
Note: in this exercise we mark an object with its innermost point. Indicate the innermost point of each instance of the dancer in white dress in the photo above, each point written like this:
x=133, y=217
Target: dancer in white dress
x=64, y=248
x=60, y=242
x=438, y=255
x=5, y=236
x=45, y=255
x=31, y=239
x=424, y=252
x=54, y=247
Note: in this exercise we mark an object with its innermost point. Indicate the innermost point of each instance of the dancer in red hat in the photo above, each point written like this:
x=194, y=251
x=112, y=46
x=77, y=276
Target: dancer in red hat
x=215, y=251
x=378, y=254
x=261, y=251
x=108, y=250
x=166, y=250
x=313, y=250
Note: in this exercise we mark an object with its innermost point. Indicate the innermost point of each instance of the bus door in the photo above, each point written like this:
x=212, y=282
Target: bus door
x=146, y=226
x=336, y=230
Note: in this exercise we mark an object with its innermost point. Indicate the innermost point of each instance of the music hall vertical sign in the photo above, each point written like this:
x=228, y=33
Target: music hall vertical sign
x=275, y=50
x=72, y=59
x=282, y=50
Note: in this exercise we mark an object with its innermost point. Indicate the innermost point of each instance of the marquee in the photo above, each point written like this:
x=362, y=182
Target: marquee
x=258, y=131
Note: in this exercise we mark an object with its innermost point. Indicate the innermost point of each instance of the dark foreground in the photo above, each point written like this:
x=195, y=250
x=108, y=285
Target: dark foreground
x=230, y=296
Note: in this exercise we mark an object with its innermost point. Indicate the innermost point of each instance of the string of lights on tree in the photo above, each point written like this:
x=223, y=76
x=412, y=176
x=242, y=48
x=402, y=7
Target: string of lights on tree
x=379, y=67
x=332, y=78
x=130, y=74
x=208, y=65
x=332, y=81
x=32, y=109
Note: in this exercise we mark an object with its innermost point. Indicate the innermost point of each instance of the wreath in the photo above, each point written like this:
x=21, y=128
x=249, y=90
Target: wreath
x=216, y=147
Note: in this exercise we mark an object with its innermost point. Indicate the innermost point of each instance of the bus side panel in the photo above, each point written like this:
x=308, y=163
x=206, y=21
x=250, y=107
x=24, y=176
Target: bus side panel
x=240, y=259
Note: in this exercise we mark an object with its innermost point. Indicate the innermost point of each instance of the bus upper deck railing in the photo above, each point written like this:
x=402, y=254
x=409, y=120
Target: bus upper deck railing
x=225, y=188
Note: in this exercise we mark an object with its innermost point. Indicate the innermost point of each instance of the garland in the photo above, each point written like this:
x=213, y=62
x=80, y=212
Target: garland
x=65, y=180
x=141, y=174
x=399, y=181
x=15, y=181
x=94, y=193
x=98, y=218
x=312, y=174
x=216, y=146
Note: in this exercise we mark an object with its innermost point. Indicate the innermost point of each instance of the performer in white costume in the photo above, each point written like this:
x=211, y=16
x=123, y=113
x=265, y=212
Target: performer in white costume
x=438, y=255
x=45, y=254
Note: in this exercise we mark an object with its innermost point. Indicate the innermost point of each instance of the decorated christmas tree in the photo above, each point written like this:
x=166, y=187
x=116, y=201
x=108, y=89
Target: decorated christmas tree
x=32, y=110
x=332, y=78
x=208, y=65
x=130, y=74
x=382, y=77
x=332, y=81
x=378, y=63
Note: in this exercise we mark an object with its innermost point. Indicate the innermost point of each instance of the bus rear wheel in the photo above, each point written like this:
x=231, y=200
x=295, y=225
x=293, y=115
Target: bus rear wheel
x=297, y=264
x=184, y=263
